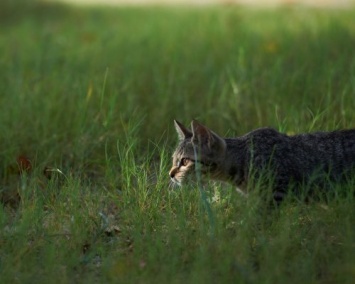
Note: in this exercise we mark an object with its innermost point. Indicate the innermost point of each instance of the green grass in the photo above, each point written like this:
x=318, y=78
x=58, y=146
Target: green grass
x=93, y=93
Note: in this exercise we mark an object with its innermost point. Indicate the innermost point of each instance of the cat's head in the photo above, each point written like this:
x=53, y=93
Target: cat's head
x=200, y=151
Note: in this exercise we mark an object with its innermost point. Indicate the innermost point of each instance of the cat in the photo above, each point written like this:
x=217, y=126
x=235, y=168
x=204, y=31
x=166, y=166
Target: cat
x=312, y=158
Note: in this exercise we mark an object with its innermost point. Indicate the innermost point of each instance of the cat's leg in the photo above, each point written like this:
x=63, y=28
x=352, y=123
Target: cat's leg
x=280, y=190
x=278, y=197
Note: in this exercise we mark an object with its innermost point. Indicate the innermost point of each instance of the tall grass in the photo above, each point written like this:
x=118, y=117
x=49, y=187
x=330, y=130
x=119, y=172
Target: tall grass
x=90, y=95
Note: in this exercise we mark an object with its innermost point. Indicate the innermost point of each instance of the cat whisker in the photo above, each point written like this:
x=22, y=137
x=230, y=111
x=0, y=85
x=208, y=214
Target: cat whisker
x=173, y=184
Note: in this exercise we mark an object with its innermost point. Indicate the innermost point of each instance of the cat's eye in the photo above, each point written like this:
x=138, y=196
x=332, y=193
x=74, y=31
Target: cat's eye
x=184, y=162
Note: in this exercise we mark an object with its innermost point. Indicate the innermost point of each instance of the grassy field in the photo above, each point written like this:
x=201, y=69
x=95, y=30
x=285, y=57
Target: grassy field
x=87, y=102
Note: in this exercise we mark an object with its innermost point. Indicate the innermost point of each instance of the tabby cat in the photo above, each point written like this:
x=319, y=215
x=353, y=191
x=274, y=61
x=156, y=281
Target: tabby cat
x=314, y=158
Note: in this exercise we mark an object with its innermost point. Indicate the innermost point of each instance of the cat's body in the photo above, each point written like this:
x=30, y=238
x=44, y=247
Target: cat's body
x=315, y=158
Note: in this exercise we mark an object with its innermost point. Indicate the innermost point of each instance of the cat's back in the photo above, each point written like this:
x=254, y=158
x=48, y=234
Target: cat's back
x=344, y=138
x=263, y=143
x=260, y=141
x=333, y=151
x=337, y=143
x=265, y=137
x=337, y=147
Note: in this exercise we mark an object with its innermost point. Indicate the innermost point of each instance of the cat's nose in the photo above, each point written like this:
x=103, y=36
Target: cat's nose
x=172, y=173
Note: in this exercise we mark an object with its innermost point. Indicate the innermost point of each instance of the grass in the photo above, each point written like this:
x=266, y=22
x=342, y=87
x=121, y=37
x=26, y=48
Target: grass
x=92, y=94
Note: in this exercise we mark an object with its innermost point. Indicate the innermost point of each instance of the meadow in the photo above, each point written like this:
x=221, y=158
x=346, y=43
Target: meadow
x=87, y=102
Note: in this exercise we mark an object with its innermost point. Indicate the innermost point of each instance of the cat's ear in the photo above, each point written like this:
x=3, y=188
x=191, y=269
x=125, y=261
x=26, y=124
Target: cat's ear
x=203, y=136
x=200, y=133
x=182, y=131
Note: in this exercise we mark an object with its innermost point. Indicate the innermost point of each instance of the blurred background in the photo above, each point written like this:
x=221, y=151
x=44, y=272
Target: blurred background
x=77, y=76
x=320, y=3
